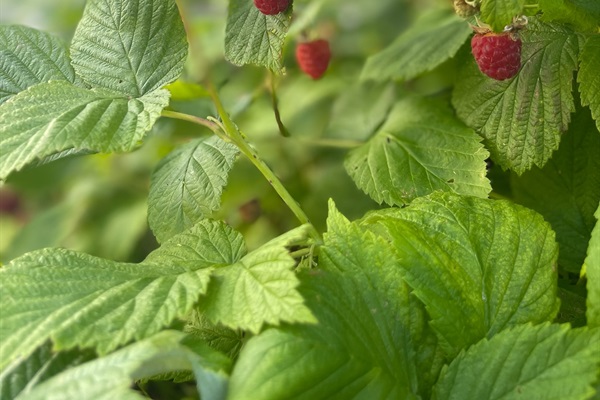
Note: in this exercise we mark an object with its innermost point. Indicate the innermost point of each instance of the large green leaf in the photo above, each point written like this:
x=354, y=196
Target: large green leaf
x=592, y=265
x=110, y=377
x=187, y=185
x=567, y=190
x=527, y=362
x=26, y=373
x=372, y=340
x=583, y=14
x=129, y=46
x=261, y=288
x=499, y=13
x=29, y=57
x=431, y=40
x=79, y=300
x=589, y=78
x=522, y=118
x=421, y=148
x=55, y=116
x=254, y=38
x=479, y=266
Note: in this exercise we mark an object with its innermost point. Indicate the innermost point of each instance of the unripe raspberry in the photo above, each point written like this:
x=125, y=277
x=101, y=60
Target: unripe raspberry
x=271, y=7
x=498, y=55
x=464, y=9
x=313, y=57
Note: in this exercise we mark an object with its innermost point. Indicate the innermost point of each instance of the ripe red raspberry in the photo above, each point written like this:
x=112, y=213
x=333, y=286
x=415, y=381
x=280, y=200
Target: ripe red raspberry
x=498, y=55
x=271, y=7
x=313, y=57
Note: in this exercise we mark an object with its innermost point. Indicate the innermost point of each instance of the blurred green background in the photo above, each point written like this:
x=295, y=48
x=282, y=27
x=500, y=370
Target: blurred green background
x=97, y=203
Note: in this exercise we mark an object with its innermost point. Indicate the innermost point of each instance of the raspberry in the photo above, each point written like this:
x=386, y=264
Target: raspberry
x=313, y=57
x=271, y=7
x=497, y=55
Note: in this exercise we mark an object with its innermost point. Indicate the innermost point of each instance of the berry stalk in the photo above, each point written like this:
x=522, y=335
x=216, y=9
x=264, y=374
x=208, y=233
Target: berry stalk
x=235, y=136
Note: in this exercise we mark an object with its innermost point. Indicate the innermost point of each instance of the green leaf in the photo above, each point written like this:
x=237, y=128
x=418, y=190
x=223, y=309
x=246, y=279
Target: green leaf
x=79, y=300
x=567, y=190
x=522, y=118
x=187, y=185
x=129, y=46
x=29, y=57
x=225, y=340
x=254, y=38
x=421, y=148
x=111, y=377
x=588, y=77
x=527, y=362
x=592, y=265
x=582, y=14
x=206, y=244
x=360, y=110
x=182, y=91
x=24, y=374
x=372, y=340
x=259, y=289
x=479, y=266
x=51, y=117
x=499, y=13
x=439, y=34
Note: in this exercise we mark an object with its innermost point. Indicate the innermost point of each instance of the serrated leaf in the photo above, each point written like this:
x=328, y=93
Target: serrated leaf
x=527, y=362
x=592, y=264
x=371, y=341
x=225, y=340
x=522, y=118
x=259, y=289
x=254, y=38
x=79, y=300
x=439, y=34
x=567, y=190
x=499, y=13
x=24, y=374
x=479, y=266
x=205, y=244
x=187, y=185
x=421, y=148
x=132, y=47
x=29, y=57
x=111, y=377
x=55, y=116
x=589, y=78
x=582, y=14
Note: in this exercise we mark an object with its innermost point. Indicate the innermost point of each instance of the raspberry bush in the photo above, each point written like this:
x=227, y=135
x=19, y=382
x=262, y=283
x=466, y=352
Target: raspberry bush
x=192, y=208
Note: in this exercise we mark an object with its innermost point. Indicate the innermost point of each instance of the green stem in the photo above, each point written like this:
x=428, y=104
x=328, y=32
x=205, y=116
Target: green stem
x=191, y=118
x=238, y=139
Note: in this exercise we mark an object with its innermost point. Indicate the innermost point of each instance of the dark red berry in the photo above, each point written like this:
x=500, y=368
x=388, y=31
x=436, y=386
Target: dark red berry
x=271, y=7
x=313, y=57
x=497, y=55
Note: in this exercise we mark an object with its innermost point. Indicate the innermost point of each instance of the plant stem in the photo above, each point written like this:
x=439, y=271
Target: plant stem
x=191, y=118
x=238, y=139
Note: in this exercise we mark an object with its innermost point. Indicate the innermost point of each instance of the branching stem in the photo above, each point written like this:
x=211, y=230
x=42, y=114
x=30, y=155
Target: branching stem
x=228, y=131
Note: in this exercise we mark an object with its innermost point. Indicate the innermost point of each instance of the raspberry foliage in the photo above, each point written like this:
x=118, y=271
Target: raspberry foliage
x=178, y=261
